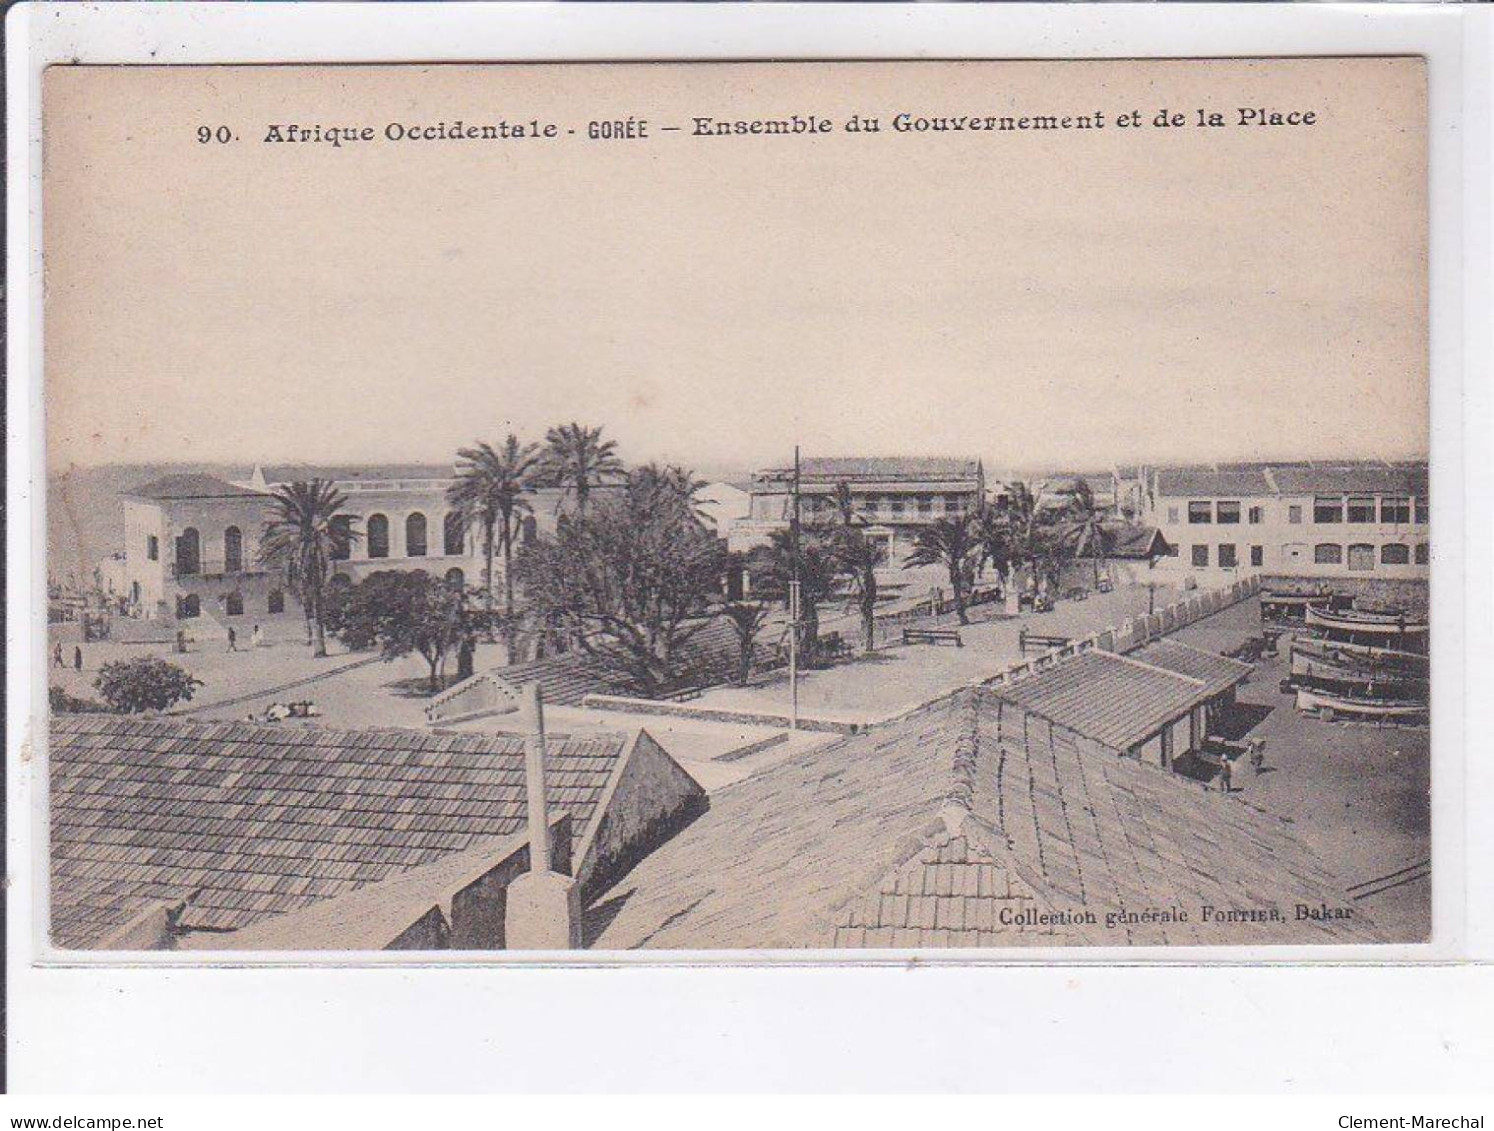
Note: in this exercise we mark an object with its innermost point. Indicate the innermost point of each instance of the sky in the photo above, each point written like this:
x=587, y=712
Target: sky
x=1035, y=299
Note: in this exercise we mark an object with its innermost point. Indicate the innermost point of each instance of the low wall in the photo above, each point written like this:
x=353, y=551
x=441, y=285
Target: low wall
x=715, y=714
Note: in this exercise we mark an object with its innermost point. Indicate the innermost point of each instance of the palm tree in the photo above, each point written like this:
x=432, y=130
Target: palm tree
x=578, y=459
x=747, y=619
x=1087, y=532
x=859, y=556
x=299, y=539
x=950, y=542
x=489, y=491
x=814, y=560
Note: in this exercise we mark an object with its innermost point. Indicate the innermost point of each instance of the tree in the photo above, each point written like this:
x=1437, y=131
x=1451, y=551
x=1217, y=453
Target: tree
x=859, y=556
x=146, y=683
x=577, y=459
x=818, y=569
x=747, y=619
x=1018, y=533
x=629, y=580
x=400, y=613
x=299, y=540
x=1086, y=532
x=490, y=492
x=949, y=542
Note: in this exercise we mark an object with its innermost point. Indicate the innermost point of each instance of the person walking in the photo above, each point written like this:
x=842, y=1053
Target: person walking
x=77, y=657
x=233, y=639
x=256, y=638
x=57, y=661
x=1226, y=775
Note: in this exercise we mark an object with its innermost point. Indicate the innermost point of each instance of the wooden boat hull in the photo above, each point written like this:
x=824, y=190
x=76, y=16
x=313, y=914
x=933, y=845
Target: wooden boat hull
x=1293, y=606
x=1346, y=706
x=1368, y=627
x=1362, y=658
x=1308, y=674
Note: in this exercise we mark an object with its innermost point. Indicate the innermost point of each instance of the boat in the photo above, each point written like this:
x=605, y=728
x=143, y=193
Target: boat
x=1333, y=705
x=1361, y=681
x=1381, y=629
x=1293, y=606
x=1362, y=657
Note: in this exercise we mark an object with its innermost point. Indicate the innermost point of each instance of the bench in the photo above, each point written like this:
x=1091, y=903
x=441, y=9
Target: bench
x=932, y=636
x=1032, y=640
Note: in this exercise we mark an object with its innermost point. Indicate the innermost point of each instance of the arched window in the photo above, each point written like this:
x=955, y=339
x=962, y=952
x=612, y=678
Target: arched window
x=234, y=605
x=277, y=601
x=188, y=607
x=1395, y=553
x=1423, y=553
x=415, y=536
x=1361, y=557
x=378, y=536
x=233, y=550
x=454, y=534
x=340, y=530
x=1328, y=553
x=456, y=577
x=188, y=552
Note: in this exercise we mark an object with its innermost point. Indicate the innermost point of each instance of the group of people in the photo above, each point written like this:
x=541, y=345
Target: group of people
x=1255, y=751
x=59, y=662
x=256, y=639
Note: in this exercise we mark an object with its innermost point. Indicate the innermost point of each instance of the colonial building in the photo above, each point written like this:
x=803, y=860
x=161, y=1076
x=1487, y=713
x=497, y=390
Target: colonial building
x=896, y=496
x=1310, y=520
x=192, y=542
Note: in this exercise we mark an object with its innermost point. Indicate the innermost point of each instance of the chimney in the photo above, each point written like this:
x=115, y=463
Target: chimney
x=543, y=907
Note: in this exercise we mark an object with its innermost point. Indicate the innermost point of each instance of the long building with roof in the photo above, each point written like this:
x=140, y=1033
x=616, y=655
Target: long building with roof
x=1311, y=520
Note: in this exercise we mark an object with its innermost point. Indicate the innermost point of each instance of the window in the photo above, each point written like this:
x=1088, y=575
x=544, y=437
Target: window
x=277, y=601
x=1328, y=553
x=415, y=536
x=1294, y=552
x=1294, y=514
x=1228, y=513
x=1395, y=553
x=233, y=605
x=1361, y=557
x=188, y=552
x=1200, y=513
x=897, y=506
x=925, y=504
x=954, y=504
x=233, y=551
x=188, y=607
x=453, y=534
x=1172, y=514
x=1227, y=559
x=152, y=547
x=1200, y=556
x=341, y=531
x=1328, y=508
x=455, y=577
x=1173, y=549
x=1395, y=508
x=1421, y=510
x=1361, y=508
x=378, y=536
x=1423, y=553
x=1257, y=555
x=1257, y=516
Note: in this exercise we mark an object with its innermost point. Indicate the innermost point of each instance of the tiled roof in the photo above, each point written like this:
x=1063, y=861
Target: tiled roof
x=961, y=826
x=245, y=821
x=192, y=486
x=1111, y=699
x=1204, y=482
x=852, y=468
x=1368, y=479
x=1217, y=673
x=1133, y=541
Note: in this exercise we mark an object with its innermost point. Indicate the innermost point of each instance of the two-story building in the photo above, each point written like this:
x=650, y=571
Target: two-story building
x=1298, y=520
x=895, y=496
x=192, y=542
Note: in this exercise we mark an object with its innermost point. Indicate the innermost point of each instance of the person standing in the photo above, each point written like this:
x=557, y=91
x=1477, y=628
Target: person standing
x=233, y=639
x=1258, y=755
x=57, y=661
x=77, y=657
x=1226, y=775
x=256, y=638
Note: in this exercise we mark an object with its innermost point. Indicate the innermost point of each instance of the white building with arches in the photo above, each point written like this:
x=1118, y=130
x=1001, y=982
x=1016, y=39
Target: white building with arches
x=192, y=542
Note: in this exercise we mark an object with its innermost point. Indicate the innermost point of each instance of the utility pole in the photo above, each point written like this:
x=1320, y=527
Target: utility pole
x=794, y=598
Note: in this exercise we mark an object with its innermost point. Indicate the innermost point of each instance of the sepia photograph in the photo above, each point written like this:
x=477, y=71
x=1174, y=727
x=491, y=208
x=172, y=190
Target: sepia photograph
x=847, y=507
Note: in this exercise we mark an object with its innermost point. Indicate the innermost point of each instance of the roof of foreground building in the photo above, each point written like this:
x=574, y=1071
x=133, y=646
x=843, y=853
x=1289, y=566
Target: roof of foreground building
x=960, y=826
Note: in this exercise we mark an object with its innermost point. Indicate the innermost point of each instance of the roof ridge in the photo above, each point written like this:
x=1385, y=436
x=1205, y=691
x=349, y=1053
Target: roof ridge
x=1153, y=667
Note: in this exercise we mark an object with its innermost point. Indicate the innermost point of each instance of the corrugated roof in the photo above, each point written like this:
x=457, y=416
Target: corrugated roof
x=1109, y=698
x=1366, y=479
x=191, y=486
x=1218, y=673
x=924, y=832
x=244, y=821
x=853, y=468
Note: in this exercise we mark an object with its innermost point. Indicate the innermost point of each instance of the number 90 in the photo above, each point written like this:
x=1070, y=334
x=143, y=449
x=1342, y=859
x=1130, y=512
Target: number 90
x=222, y=135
